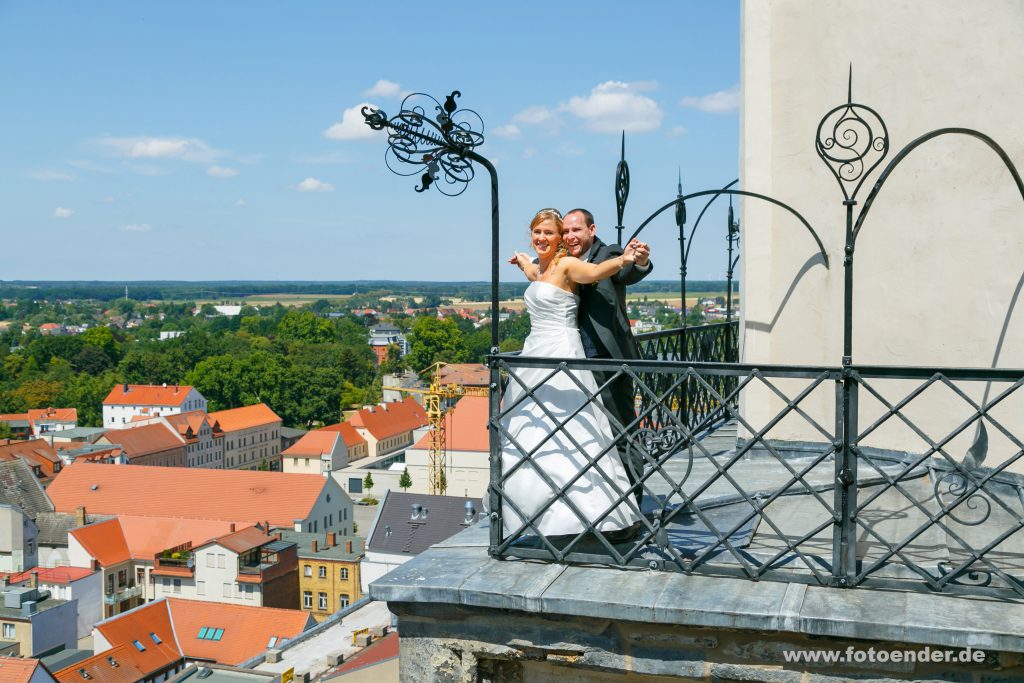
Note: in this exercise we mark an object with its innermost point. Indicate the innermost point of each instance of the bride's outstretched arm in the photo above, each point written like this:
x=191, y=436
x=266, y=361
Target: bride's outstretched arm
x=526, y=264
x=585, y=273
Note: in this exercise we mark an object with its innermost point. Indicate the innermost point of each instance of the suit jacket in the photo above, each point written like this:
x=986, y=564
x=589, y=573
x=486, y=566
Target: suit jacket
x=602, y=313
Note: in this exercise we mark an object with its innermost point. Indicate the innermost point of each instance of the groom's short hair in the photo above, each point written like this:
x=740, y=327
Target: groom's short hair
x=587, y=216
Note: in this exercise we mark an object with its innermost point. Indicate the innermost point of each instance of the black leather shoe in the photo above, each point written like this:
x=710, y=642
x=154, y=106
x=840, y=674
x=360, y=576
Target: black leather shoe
x=623, y=535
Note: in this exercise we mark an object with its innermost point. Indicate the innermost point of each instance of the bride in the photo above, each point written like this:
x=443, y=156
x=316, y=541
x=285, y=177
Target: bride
x=558, y=408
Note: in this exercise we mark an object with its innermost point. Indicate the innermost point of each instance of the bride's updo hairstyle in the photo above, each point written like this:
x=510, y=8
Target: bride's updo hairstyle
x=555, y=216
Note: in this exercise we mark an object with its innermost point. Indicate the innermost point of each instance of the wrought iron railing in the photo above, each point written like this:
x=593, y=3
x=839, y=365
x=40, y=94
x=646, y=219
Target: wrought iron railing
x=922, y=487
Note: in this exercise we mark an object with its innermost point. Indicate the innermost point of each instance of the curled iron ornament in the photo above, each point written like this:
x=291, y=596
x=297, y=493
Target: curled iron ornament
x=436, y=140
x=852, y=140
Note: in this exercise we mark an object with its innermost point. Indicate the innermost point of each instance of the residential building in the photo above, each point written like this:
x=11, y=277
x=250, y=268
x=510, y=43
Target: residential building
x=81, y=435
x=252, y=437
x=408, y=523
x=18, y=424
x=21, y=670
x=249, y=566
x=318, y=452
x=329, y=571
x=467, y=440
x=36, y=621
x=204, y=440
x=389, y=427
x=157, y=445
x=466, y=374
x=49, y=420
x=19, y=539
x=82, y=584
x=72, y=452
x=354, y=443
x=135, y=546
x=383, y=336
x=37, y=453
x=301, y=501
x=289, y=436
x=126, y=401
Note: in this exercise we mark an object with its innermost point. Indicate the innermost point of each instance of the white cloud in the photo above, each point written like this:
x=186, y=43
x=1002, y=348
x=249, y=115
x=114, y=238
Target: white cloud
x=222, y=172
x=352, y=125
x=240, y=202
x=510, y=131
x=534, y=116
x=677, y=131
x=141, y=147
x=384, y=88
x=61, y=212
x=721, y=102
x=137, y=227
x=314, y=185
x=48, y=175
x=615, y=106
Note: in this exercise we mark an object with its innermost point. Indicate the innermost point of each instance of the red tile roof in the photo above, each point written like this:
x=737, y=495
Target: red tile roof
x=147, y=395
x=348, y=433
x=313, y=445
x=193, y=420
x=247, y=630
x=243, y=540
x=54, y=415
x=466, y=374
x=140, y=441
x=138, y=625
x=242, y=418
x=104, y=541
x=193, y=493
x=62, y=575
x=17, y=670
x=382, y=650
x=465, y=426
x=388, y=419
x=37, y=453
x=130, y=667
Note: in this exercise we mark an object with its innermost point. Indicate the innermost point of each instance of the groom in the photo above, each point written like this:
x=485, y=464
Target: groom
x=604, y=322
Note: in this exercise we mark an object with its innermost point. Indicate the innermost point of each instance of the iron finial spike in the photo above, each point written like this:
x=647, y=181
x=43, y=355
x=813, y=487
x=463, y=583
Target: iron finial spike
x=623, y=153
x=849, y=86
x=679, y=187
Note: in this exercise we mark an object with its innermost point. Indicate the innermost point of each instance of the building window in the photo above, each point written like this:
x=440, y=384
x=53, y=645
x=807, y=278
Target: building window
x=307, y=599
x=220, y=560
x=122, y=578
x=8, y=632
x=323, y=572
x=177, y=585
x=227, y=590
x=322, y=602
x=344, y=573
x=343, y=601
x=200, y=588
x=307, y=570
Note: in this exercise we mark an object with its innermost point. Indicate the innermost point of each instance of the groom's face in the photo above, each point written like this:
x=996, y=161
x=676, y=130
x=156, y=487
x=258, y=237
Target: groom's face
x=577, y=235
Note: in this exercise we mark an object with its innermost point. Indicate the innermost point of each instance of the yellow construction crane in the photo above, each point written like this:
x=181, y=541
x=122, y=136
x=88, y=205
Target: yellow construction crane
x=432, y=397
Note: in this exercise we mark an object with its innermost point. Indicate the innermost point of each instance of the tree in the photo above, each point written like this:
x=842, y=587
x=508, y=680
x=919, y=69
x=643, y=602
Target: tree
x=305, y=326
x=5, y=431
x=405, y=481
x=394, y=364
x=368, y=482
x=103, y=339
x=436, y=340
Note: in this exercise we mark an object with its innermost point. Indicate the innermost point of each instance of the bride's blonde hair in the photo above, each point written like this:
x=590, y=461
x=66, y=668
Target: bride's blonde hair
x=556, y=217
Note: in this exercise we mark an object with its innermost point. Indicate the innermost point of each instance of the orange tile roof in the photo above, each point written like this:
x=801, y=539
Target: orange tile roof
x=313, y=445
x=243, y=540
x=147, y=536
x=104, y=541
x=101, y=668
x=247, y=630
x=193, y=420
x=465, y=426
x=140, y=624
x=242, y=418
x=36, y=452
x=13, y=417
x=389, y=419
x=147, y=395
x=54, y=414
x=193, y=493
x=17, y=670
x=348, y=433
x=467, y=374
x=139, y=441
x=63, y=575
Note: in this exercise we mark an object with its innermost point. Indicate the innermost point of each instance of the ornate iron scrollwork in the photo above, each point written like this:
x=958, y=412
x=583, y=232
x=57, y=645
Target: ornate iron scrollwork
x=951, y=487
x=436, y=139
x=852, y=140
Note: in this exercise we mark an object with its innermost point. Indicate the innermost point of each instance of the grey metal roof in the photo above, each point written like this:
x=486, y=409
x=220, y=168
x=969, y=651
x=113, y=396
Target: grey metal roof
x=396, y=532
x=78, y=433
x=18, y=486
x=278, y=546
x=291, y=432
x=54, y=526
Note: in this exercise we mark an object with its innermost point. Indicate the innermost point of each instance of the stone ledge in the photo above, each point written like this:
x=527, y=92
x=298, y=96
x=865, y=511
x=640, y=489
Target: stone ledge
x=460, y=572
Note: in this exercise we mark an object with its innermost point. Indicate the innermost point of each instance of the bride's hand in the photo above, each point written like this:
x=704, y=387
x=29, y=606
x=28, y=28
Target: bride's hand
x=520, y=259
x=629, y=253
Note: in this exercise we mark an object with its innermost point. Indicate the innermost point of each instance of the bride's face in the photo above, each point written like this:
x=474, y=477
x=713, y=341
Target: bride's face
x=545, y=237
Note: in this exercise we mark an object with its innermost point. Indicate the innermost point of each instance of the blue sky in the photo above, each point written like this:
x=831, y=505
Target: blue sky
x=208, y=140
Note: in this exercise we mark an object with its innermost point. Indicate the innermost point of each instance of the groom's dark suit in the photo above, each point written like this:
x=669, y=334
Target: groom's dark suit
x=604, y=327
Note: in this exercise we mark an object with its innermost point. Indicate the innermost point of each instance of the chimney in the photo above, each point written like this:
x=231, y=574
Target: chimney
x=231, y=527
x=33, y=580
x=332, y=539
x=175, y=388
x=276, y=537
x=80, y=515
x=314, y=545
x=124, y=387
x=348, y=547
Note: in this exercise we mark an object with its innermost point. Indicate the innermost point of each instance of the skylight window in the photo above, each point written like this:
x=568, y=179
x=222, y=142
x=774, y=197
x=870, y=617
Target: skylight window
x=156, y=638
x=272, y=642
x=210, y=633
x=219, y=632
x=202, y=633
x=139, y=646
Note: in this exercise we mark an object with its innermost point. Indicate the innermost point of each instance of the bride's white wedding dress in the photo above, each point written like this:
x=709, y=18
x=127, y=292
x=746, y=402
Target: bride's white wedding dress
x=554, y=333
